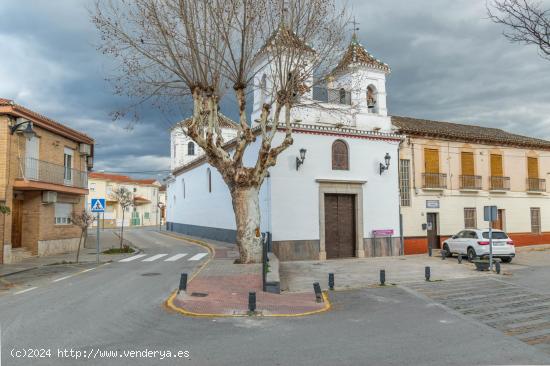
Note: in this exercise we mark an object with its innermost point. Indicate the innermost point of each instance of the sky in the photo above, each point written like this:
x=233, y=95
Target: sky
x=449, y=63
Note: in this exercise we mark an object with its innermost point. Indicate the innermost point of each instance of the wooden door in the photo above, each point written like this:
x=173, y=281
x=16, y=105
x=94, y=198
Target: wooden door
x=431, y=161
x=499, y=222
x=496, y=165
x=16, y=223
x=433, y=235
x=533, y=167
x=339, y=225
x=467, y=161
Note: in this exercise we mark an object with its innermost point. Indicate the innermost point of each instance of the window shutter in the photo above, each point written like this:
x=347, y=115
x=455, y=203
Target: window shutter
x=340, y=158
x=431, y=160
x=467, y=159
x=496, y=165
x=532, y=167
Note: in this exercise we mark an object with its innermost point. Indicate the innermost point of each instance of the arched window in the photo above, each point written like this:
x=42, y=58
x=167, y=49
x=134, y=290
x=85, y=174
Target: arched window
x=209, y=178
x=191, y=148
x=340, y=156
x=342, y=96
x=372, y=99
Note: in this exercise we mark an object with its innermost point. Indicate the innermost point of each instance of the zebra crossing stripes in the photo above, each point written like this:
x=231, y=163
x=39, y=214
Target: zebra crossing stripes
x=175, y=257
x=161, y=256
x=197, y=257
x=154, y=258
x=129, y=259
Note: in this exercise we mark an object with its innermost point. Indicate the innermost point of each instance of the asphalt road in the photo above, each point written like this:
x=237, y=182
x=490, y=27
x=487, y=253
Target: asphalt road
x=118, y=307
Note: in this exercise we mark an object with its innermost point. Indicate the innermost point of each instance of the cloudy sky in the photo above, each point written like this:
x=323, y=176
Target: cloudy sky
x=448, y=63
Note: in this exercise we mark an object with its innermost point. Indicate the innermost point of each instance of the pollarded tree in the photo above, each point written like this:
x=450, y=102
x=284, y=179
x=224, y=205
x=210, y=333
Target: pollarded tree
x=83, y=220
x=175, y=51
x=125, y=199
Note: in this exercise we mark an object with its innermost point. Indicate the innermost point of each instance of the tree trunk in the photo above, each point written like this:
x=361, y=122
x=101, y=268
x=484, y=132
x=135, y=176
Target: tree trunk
x=122, y=230
x=247, y=216
x=78, y=249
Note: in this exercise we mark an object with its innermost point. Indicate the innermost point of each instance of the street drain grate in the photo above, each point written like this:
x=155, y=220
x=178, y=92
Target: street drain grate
x=150, y=274
x=199, y=294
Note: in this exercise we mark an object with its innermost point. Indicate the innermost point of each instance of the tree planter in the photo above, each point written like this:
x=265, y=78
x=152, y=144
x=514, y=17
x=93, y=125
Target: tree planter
x=481, y=265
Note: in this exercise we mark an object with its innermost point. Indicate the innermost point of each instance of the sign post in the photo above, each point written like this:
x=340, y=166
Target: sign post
x=490, y=215
x=98, y=206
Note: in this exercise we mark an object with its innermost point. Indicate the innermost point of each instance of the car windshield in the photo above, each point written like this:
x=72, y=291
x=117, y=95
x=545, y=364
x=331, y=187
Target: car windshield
x=496, y=235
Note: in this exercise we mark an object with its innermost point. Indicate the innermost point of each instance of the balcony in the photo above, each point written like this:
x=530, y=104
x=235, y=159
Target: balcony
x=499, y=183
x=434, y=181
x=470, y=182
x=43, y=175
x=536, y=185
x=335, y=96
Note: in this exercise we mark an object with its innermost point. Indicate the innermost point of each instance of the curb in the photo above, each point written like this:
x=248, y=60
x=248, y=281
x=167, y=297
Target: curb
x=169, y=303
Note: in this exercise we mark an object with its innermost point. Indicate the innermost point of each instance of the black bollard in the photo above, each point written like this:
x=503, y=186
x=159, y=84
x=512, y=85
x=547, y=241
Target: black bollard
x=331, y=281
x=430, y=251
x=443, y=254
x=318, y=293
x=382, y=277
x=427, y=273
x=497, y=267
x=252, y=302
x=183, y=282
x=459, y=259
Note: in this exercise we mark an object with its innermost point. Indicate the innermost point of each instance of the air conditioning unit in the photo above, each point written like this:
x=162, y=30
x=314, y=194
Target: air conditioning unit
x=85, y=149
x=49, y=197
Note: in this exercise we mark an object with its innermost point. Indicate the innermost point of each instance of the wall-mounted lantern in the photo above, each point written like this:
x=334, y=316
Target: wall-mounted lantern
x=300, y=160
x=28, y=131
x=383, y=167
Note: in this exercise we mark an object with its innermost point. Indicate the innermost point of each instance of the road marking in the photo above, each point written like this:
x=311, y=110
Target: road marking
x=175, y=257
x=197, y=257
x=63, y=278
x=132, y=258
x=27, y=290
x=87, y=270
x=154, y=258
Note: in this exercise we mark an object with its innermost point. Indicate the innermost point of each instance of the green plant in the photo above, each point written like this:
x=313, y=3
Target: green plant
x=5, y=210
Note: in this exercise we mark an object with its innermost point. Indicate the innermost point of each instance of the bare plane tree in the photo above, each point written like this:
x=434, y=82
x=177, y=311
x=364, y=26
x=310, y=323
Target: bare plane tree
x=201, y=50
x=124, y=198
x=83, y=220
x=526, y=21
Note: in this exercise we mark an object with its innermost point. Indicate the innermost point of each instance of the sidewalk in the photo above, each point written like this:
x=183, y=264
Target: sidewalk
x=108, y=239
x=221, y=288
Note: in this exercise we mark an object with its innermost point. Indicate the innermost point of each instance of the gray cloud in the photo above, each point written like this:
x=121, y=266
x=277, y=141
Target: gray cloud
x=448, y=63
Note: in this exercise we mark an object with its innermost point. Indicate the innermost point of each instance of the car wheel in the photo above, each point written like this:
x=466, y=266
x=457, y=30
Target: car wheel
x=471, y=254
x=447, y=250
x=506, y=259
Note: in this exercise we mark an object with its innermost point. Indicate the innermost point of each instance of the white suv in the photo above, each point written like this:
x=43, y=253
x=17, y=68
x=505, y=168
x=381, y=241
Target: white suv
x=475, y=243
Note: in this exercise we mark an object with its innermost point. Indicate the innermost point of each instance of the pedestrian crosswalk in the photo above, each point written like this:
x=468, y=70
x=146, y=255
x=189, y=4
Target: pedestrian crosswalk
x=162, y=257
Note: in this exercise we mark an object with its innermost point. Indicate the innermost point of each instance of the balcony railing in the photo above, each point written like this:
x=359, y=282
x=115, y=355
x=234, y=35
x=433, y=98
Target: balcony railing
x=536, y=185
x=43, y=171
x=499, y=183
x=336, y=96
x=434, y=180
x=470, y=182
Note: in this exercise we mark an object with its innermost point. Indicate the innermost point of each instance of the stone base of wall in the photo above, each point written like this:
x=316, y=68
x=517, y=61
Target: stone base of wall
x=7, y=254
x=296, y=250
x=213, y=233
x=50, y=247
x=382, y=247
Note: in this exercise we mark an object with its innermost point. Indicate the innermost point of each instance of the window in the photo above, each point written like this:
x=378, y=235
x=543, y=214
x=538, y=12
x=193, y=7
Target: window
x=92, y=187
x=191, y=148
x=404, y=184
x=146, y=215
x=209, y=178
x=496, y=235
x=342, y=94
x=532, y=168
x=340, y=158
x=467, y=162
x=109, y=190
x=183, y=187
x=63, y=213
x=470, y=218
x=372, y=99
x=431, y=161
x=535, y=220
x=68, y=165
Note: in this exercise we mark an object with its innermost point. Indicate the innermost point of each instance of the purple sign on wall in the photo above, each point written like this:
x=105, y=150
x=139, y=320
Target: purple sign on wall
x=382, y=232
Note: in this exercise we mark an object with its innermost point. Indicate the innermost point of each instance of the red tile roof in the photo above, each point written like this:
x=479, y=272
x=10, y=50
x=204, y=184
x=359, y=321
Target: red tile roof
x=356, y=54
x=8, y=106
x=120, y=178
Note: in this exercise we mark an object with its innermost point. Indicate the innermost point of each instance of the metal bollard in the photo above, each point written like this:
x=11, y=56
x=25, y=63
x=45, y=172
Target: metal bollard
x=318, y=293
x=427, y=273
x=443, y=254
x=382, y=277
x=252, y=301
x=430, y=251
x=459, y=259
x=331, y=281
x=497, y=267
x=183, y=282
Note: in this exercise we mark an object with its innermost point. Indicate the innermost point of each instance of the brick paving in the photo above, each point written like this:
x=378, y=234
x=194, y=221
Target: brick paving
x=516, y=311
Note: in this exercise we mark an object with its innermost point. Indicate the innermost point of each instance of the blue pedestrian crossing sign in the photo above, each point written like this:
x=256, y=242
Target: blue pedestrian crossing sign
x=98, y=204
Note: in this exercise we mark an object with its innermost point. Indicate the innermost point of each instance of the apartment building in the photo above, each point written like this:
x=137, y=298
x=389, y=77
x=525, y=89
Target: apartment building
x=449, y=172
x=43, y=179
x=145, y=209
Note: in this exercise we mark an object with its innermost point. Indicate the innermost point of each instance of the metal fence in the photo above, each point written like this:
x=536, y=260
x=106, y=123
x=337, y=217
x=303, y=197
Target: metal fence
x=470, y=182
x=499, y=183
x=434, y=180
x=536, y=185
x=43, y=171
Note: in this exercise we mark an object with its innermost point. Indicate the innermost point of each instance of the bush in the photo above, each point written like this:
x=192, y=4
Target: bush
x=125, y=249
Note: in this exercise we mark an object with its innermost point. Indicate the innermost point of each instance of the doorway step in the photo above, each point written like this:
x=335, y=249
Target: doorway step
x=20, y=254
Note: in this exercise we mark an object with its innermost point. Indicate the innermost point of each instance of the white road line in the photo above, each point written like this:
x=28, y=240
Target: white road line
x=27, y=290
x=154, y=258
x=63, y=278
x=197, y=257
x=175, y=257
x=88, y=270
x=132, y=258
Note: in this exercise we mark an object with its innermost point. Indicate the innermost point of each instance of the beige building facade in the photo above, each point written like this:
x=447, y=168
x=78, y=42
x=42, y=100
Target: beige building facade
x=449, y=172
x=145, y=210
x=43, y=180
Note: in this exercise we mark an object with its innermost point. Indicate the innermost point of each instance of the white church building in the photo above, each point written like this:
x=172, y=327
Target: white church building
x=333, y=194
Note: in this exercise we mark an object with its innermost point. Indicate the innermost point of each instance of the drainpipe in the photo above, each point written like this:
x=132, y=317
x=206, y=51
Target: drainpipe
x=401, y=239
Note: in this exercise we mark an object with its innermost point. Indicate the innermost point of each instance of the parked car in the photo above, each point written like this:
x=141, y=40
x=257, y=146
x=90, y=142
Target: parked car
x=475, y=243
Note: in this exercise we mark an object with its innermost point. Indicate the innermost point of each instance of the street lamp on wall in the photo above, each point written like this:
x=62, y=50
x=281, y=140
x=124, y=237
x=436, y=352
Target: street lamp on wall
x=300, y=160
x=27, y=131
x=383, y=167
